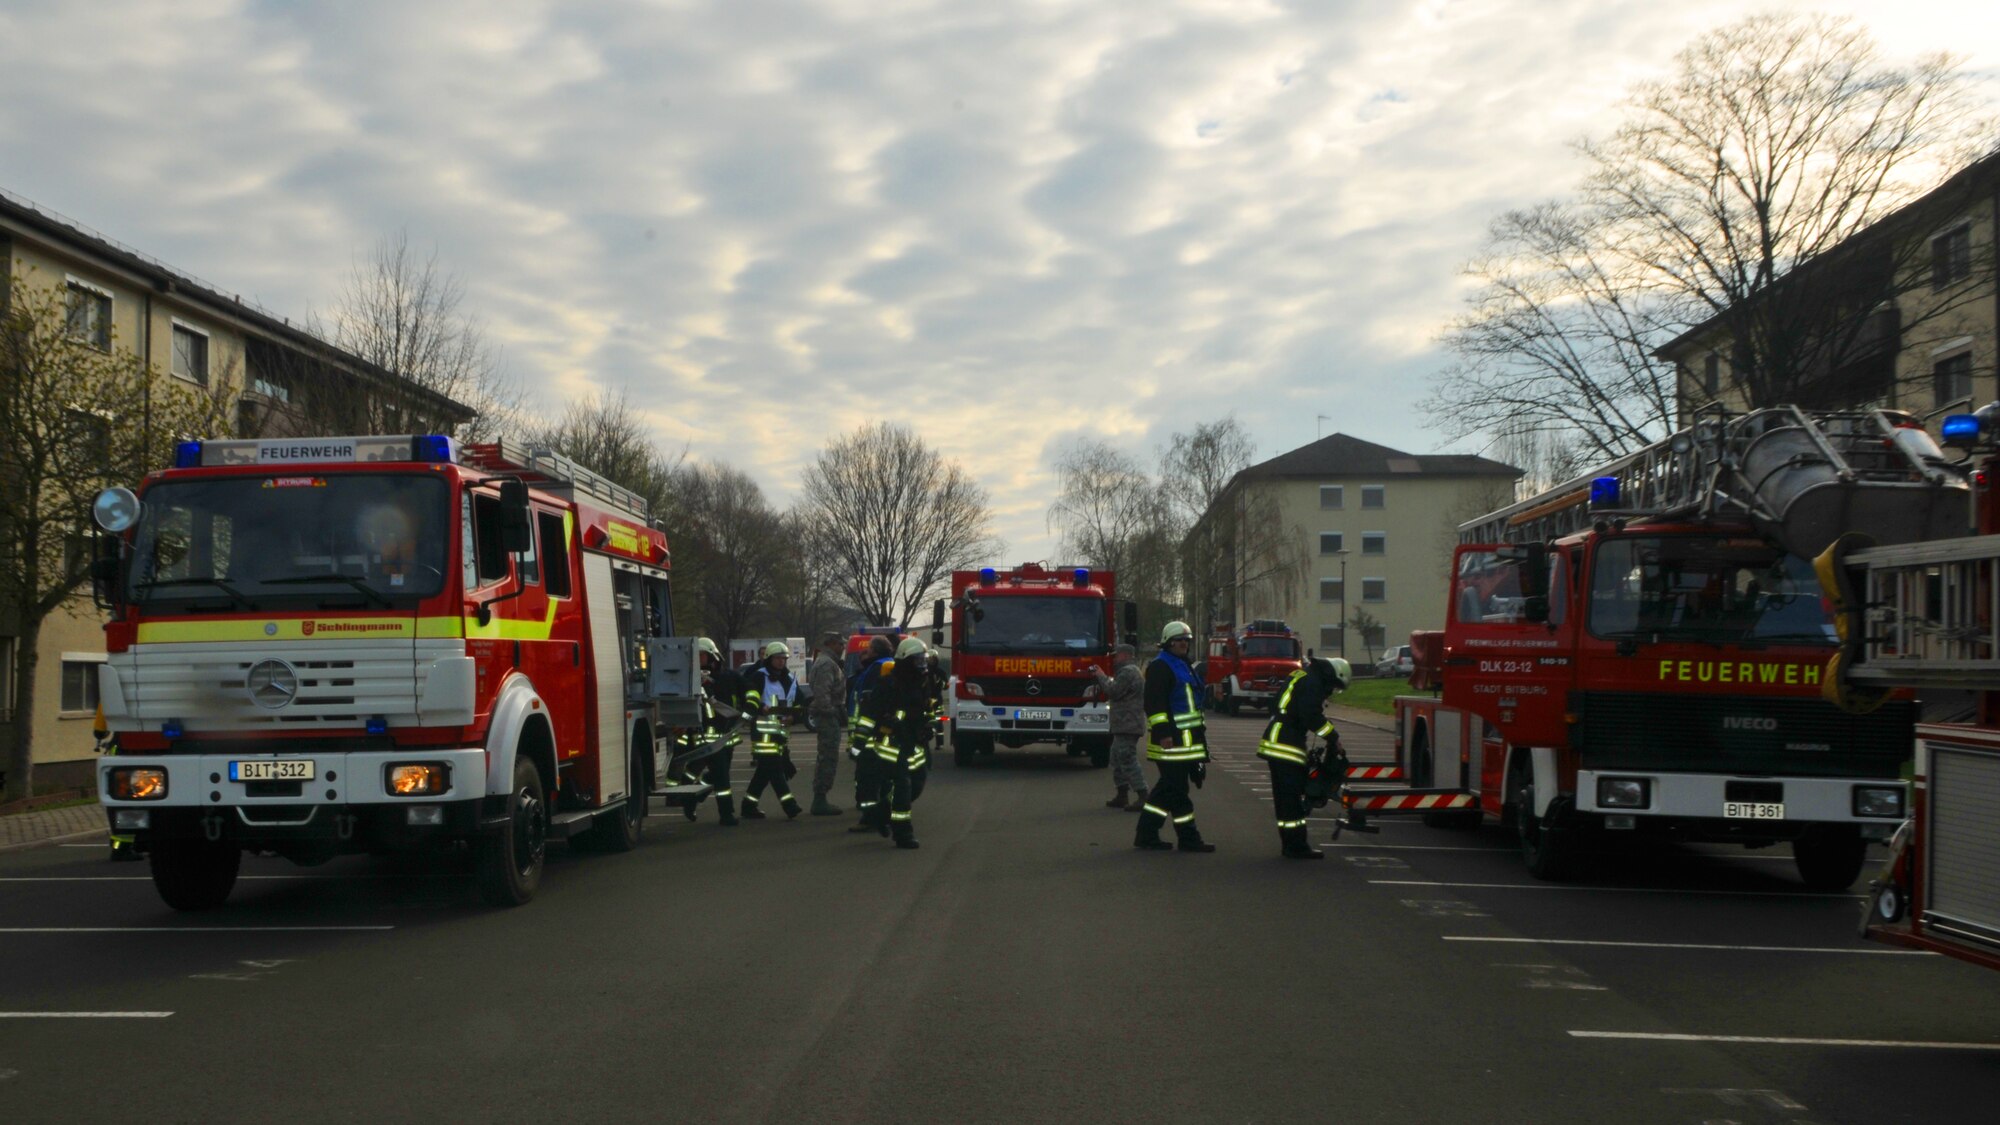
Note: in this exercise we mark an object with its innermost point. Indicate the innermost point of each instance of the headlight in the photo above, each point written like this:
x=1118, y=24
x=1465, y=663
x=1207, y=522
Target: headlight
x=972, y=690
x=137, y=783
x=417, y=779
x=1878, y=800
x=1623, y=793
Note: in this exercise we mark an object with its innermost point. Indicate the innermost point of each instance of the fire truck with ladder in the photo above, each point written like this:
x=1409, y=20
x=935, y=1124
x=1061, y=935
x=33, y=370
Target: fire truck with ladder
x=1024, y=642
x=1250, y=666
x=1642, y=651
x=362, y=644
x=1927, y=616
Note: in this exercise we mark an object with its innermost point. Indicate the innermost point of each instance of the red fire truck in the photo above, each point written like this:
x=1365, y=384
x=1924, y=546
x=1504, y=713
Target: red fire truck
x=1251, y=666
x=333, y=645
x=1022, y=648
x=1642, y=650
x=1925, y=616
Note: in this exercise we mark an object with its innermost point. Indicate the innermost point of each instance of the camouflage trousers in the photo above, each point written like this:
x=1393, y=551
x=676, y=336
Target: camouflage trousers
x=829, y=753
x=1126, y=773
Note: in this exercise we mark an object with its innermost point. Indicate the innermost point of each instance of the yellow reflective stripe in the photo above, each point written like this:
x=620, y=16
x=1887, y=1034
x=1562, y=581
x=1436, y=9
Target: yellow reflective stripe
x=1326, y=729
x=1162, y=717
x=899, y=816
x=1187, y=819
x=1291, y=824
x=503, y=629
x=252, y=628
x=724, y=792
x=1280, y=750
x=1157, y=811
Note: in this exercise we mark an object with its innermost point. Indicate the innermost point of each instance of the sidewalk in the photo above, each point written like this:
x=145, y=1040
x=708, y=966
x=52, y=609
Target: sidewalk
x=72, y=823
x=1357, y=717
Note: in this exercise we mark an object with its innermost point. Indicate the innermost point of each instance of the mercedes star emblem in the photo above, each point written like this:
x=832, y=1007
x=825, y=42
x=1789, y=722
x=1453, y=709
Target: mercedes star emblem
x=272, y=684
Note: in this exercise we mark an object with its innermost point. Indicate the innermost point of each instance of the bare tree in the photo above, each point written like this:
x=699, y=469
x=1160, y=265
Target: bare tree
x=897, y=519
x=1739, y=192
x=1111, y=515
x=739, y=541
x=1236, y=550
x=801, y=600
x=1370, y=628
x=77, y=414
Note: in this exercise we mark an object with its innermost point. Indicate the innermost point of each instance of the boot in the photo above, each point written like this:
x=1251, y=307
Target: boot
x=688, y=809
x=823, y=807
x=1298, y=845
x=907, y=840
x=1138, y=802
x=1153, y=845
x=791, y=807
x=750, y=809
x=1118, y=802
x=1196, y=845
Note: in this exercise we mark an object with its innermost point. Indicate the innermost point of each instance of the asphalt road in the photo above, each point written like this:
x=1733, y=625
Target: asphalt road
x=1027, y=964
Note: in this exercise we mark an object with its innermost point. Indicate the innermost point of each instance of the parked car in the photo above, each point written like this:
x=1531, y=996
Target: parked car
x=1398, y=661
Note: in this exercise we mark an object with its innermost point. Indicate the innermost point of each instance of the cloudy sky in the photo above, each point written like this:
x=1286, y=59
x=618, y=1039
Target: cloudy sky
x=1003, y=222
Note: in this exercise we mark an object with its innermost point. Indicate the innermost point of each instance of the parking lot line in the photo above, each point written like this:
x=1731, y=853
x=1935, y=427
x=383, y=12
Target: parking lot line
x=188, y=929
x=1692, y=945
x=1785, y=1040
x=84, y=1015
x=1613, y=890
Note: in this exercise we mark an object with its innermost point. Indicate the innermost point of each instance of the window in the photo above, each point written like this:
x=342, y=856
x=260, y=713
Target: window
x=1951, y=256
x=556, y=550
x=489, y=548
x=79, y=683
x=1951, y=379
x=1374, y=589
x=529, y=563
x=190, y=353
x=1330, y=590
x=1374, y=496
x=89, y=314
x=1329, y=636
x=1330, y=543
x=1711, y=375
x=1332, y=495
x=1374, y=542
x=76, y=550
x=90, y=432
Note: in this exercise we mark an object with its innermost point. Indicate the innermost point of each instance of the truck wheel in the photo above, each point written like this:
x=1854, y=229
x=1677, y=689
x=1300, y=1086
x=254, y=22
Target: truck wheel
x=965, y=747
x=1100, y=753
x=1830, y=856
x=195, y=874
x=1231, y=705
x=510, y=860
x=620, y=830
x=1548, y=847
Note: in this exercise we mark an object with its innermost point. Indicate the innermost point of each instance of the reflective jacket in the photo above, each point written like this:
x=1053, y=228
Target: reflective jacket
x=1173, y=711
x=895, y=719
x=858, y=689
x=768, y=698
x=720, y=686
x=1299, y=714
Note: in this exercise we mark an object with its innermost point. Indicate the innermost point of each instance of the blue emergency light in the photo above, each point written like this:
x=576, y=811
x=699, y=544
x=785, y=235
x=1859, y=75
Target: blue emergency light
x=1604, y=492
x=187, y=455
x=432, y=447
x=171, y=728
x=1082, y=577
x=377, y=724
x=988, y=576
x=1960, y=429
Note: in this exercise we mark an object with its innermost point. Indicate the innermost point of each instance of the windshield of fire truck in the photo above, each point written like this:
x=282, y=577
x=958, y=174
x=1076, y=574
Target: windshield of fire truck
x=291, y=540
x=1698, y=588
x=1038, y=624
x=1271, y=648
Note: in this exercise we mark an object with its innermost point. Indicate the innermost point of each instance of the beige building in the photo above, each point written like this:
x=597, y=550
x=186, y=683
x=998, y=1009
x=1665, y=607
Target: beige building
x=1374, y=528
x=207, y=342
x=1925, y=313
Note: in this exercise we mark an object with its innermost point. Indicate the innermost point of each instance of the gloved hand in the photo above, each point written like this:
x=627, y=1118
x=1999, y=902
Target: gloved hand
x=1198, y=773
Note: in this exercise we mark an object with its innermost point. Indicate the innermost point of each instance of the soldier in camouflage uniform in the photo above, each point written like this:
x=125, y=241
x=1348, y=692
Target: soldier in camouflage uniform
x=829, y=712
x=1125, y=688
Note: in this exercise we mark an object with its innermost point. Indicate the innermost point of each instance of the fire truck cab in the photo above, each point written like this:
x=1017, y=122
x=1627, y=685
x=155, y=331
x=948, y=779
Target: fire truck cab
x=332, y=645
x=1251, y=666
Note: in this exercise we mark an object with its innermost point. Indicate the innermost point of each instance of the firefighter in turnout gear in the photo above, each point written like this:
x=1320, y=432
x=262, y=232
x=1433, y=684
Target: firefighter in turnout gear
x=1178, y=744
x=869, y=773
x=721, y=689
x=769, y=694
x=1299, y=714
x=896, y=716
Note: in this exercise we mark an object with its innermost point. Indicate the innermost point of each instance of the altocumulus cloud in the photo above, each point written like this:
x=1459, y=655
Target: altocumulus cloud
x=1006, y=224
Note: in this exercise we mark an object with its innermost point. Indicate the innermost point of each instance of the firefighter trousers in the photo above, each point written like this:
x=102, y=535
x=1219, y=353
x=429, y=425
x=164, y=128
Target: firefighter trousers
x=717, y=776
x=869, y=773
x=770, y=770
x=904, y=785
x=1288, y=794
x=1169, y=801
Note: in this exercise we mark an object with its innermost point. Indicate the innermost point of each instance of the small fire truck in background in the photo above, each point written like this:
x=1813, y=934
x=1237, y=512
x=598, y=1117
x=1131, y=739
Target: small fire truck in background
x=1251, y=666
x=1927, y=615
x=1643, y=649
x=1024, y=642
x=333, y=645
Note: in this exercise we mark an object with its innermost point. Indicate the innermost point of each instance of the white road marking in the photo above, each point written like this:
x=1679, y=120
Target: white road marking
x=190, y=929
x=84, y=1015
x=1424, y=847
x=1612, y=890
x=1694, y=945
x=239, y=878
x=1785, y=1040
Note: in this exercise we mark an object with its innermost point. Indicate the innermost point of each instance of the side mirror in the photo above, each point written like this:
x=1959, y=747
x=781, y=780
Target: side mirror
x=937, y=622
x=1534, y=560
x=104, y=568
x=1132, y=623
x=517, y=522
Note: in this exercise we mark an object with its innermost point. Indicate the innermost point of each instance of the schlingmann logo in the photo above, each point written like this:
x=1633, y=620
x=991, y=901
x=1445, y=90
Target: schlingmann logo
x=308, y=628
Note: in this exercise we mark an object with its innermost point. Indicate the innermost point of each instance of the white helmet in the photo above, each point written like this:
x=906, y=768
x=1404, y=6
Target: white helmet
x=704, y=645
x=1173, y=630
x=911, y=646
x=1335, y=670
x=777, y=648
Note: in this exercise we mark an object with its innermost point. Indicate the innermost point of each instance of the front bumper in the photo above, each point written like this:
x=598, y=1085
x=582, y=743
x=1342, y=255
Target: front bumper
x=1041, y=722
x=1706, y=796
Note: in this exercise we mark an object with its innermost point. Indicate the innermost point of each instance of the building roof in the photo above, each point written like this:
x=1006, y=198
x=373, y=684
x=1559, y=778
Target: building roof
x=1341, y=455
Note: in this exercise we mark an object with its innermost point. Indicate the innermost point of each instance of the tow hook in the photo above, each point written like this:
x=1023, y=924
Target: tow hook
x=211, y=827
x=343, y=826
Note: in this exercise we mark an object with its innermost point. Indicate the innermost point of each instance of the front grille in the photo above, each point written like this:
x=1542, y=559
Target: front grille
x=1754, y=792
x=1740, y=734
x=1015, y=689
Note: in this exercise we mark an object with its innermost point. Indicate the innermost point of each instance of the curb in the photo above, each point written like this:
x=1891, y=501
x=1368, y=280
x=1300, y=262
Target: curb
x=25, y=845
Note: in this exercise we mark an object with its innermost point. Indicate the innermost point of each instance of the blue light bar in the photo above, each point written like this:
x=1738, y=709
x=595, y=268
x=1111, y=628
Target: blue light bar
x=988, y=576
x=171, y=728
x=1604, y=492
x=378, y=724
x=187, y=455
x=432, y=447
x=1082, y=577
x=1960, y=429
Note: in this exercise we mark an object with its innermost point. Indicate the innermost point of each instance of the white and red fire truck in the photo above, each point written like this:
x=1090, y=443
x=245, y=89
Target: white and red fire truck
x=1024, y=641
x=333, y=645
x=1251, y=666
x=1642, y=650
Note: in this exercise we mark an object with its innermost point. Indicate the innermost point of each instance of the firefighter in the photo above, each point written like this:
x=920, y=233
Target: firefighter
x=721, y=688
x=769, y=694
x=1178, y=744
x=897, y=717
x=1300, y=713
x=868, y=774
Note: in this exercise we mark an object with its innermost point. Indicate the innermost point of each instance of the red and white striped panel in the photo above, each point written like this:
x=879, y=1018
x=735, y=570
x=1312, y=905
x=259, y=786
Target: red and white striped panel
x=1374, y=773
x=1384, y=801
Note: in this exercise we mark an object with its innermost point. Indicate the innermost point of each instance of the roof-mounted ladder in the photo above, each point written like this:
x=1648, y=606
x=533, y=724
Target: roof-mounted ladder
x=1930, y=614
x=547, y=469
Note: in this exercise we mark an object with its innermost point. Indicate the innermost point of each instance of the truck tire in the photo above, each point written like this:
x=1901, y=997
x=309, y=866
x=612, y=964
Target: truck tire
x=965, y=747
x=1100, y=753
x=1230, y=704
x=1548, y=846
x=621, y=829
x=510, y=860
x=195, y=874
x=1829, y=856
